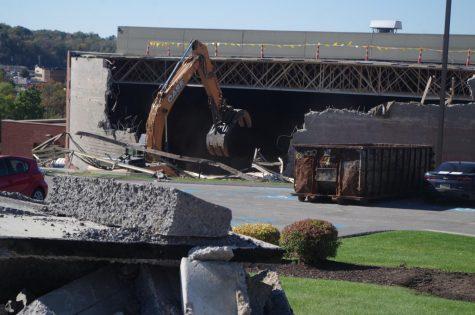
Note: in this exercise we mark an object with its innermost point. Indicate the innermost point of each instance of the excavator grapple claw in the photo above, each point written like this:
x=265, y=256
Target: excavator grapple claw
x=231, y=135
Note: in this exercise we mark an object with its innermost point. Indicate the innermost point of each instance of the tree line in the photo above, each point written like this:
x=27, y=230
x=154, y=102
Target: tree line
x=21, y=46
x=43, y=100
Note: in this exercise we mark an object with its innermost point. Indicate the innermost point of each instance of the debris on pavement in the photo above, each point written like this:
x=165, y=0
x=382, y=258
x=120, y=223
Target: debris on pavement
x=168, y=155
x=135, y=236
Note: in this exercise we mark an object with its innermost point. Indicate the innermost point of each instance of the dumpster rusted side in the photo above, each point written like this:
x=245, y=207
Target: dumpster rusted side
x=360, y=172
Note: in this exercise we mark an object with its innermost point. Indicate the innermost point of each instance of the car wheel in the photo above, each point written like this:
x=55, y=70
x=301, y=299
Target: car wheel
x=429, y=197
x=302, y=198
x=38, y=194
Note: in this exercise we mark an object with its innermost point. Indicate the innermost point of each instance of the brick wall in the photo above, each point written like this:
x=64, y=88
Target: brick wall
x=19, y=137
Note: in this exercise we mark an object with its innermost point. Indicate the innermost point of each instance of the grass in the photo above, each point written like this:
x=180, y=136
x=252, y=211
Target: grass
x=432, y=250
x=310, y=296
x=103, y=174
x=184, y=180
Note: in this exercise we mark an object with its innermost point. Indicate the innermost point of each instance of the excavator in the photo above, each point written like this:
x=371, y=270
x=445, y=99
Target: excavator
x=224, y=138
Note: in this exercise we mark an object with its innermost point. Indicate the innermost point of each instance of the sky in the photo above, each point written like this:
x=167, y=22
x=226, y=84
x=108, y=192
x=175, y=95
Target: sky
x=103, y=16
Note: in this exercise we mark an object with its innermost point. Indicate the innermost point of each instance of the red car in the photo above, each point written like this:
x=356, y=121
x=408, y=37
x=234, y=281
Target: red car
x=19, y=174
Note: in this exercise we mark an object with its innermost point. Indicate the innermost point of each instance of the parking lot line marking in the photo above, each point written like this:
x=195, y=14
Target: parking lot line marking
x=463, y=209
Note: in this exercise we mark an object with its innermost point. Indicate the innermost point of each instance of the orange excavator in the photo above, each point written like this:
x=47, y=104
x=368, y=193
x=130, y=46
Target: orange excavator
x=223, y=139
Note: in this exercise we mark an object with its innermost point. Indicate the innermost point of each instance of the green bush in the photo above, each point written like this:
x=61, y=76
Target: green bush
x=262, y=231
x=311, y=241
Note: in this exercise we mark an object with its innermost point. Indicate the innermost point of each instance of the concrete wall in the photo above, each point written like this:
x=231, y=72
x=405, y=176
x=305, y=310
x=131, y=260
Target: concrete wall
x=20, y=136
x=89, y=87
x=403, y=123
x=134, y=41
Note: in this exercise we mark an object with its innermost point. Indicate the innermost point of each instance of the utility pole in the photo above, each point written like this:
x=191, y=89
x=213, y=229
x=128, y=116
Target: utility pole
x=443, y=83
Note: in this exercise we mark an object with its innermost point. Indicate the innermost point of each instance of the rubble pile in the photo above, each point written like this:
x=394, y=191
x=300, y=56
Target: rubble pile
x=392, y=123
x=162, y=251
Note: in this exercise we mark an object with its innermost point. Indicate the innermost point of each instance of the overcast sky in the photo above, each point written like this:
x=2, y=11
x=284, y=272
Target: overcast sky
x=103, y=16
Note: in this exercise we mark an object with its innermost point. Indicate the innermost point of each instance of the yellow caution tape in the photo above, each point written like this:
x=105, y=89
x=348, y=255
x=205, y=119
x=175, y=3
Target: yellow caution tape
x=155, y=43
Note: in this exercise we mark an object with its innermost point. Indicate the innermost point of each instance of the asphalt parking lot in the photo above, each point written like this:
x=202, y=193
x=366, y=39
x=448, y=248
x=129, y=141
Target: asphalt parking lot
x=277, y=206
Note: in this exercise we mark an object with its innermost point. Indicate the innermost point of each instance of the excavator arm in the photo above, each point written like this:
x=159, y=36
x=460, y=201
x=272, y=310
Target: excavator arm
x=226, y=119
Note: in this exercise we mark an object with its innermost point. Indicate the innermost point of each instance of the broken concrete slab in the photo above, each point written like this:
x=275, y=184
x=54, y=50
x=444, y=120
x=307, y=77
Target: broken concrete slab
x=157, y=251
x=150, y=207
x=213, y=288
x=106, y=291
x=266, y=295
x=222, y=253
x=22, y=204
x=20, y=217
x=158, y=290
x=26, y=231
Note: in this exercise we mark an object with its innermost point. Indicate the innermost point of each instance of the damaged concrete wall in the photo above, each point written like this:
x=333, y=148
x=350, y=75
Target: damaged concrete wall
x=404, y=123
x=89, y=88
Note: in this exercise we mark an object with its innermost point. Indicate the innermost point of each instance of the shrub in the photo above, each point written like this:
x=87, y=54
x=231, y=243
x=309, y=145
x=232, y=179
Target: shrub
x=262, y=231
x=311, y=241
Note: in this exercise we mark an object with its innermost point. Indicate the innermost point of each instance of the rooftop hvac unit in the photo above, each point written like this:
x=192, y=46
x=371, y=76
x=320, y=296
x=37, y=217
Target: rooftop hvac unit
x=385, y=26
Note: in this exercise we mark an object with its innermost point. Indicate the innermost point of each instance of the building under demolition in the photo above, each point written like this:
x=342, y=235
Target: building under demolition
x=277, y=77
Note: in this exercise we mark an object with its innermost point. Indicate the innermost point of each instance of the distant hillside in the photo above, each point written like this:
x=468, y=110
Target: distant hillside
x=21, y=46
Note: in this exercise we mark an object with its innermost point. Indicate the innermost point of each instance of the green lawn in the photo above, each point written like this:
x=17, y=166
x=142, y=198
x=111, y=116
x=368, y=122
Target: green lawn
x=309, y=296
x=410, y=248
x=185, y=180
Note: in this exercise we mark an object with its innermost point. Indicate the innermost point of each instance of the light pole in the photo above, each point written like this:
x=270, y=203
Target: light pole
x=443, y=83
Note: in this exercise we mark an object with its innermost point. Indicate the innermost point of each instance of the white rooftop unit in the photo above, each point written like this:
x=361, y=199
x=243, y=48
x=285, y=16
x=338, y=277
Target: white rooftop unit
x=385, y=26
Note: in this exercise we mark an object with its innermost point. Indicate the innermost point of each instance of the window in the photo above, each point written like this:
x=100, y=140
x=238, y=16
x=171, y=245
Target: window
x=446, y=167
x=3, y=168
x=466, y=168
x=463, y=167
x=17, y=166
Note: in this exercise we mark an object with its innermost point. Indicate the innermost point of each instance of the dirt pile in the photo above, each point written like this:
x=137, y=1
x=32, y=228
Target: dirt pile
x=450, y=285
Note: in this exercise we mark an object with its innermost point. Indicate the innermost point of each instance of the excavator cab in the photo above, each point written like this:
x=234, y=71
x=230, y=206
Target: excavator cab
x=229, y=135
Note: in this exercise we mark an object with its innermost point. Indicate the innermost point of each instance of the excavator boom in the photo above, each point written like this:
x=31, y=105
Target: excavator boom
x=227, y=121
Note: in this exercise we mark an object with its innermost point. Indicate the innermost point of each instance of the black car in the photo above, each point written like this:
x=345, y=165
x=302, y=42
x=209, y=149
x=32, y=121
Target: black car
x=454, y=179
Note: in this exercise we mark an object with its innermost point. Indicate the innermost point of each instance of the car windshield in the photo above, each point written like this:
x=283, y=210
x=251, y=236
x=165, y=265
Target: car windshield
x=463, y=167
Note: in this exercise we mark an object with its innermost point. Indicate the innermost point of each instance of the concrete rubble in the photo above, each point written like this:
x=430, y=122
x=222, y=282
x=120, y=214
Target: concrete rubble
x=212, y=286
x=115, y=289
x=126, y=243
x=266, y=294
x=150, y=207
x=224, y=253
x=197, y=287
x=395, y=123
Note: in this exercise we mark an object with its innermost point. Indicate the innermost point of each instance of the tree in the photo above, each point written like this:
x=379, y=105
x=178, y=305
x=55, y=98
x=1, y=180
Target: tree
x=53, y=100
x=7, y=89
x=27, y=105
x=5, y=106
x=3, y=75
x=7, y=97
x=22, y=46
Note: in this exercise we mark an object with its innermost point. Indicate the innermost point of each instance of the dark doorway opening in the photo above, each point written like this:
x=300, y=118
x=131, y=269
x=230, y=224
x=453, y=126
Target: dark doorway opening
x=275, y=115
